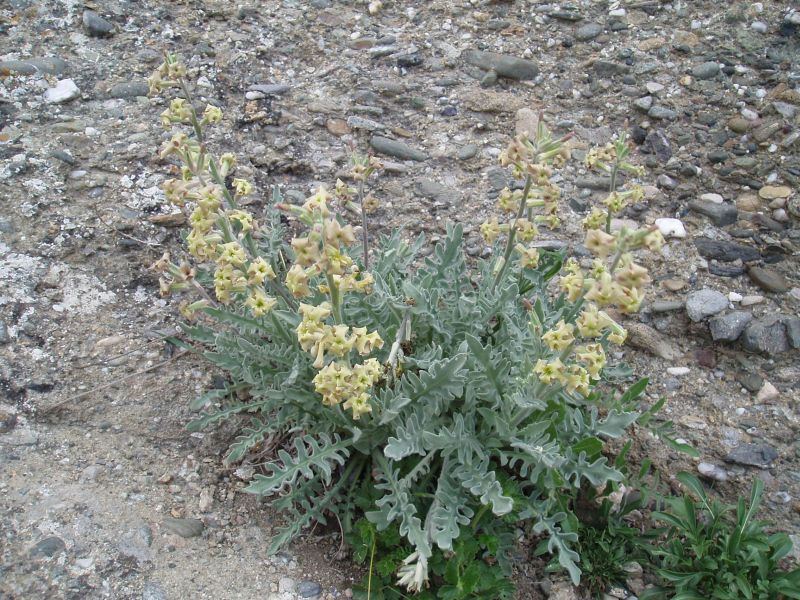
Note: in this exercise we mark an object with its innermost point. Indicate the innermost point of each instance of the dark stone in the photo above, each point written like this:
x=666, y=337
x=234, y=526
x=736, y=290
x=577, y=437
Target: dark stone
x=726, y=270
x=705, y=357
x=772, y=334
x=96, y=25
x=410, y=60
x=768, y=280
x=753, y=455
x=396, y=149
x=308, y=589
x=602, y=184
x=729, y=327
x=186, y=528
x=657, y=142
x=706, y=70
x=717, y=156
x=588, y=31
x=8, y=420
x=662, y=112
x=442, y=194
x=720, y=214
x=503, y=64
x=49, y=546
x=607, y=68
x=725, y=251
x=449, y=111
x=129, y=89
x=51, y=65
x=752, y=382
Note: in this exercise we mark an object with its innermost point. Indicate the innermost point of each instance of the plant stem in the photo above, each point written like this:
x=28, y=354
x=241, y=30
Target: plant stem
x=371, y=560
x=477, y=518
x=364, y=228
x=336, y=300
x=613, y=186
x=512, y=234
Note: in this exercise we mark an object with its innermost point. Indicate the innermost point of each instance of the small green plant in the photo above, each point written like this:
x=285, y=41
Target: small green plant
x=449, y=403
x=706, y=554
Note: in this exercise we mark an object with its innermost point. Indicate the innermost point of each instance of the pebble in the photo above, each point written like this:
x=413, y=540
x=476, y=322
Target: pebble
x=720, y=214
x=355, y=122
x=728, y=327
x=588, y=31
x=772, y=334
x=186, y=528
x=48, y=547
x=725, y=251
x=748, y=202
x=502, y=64
x=644, y=104
x=706, y=70
x=711, y=197
x=751, y=300
x=735, y=297
x=269, y=89
x=337, y=127
x=679, y=371
x=396, y=149
x=662, y=112
x=712, y=471
x=64, y=91
x=770, y=192
x=653, y=87
x=50, y=65
x=740, y=125
x=705, y=303
x=129, y=89
x=96, y=25
x=759, y=26
x=308, y=589
x=767, y=393
x=666, y=182
x=753, y=455
x=768, y=280
x=671, y=228
x=467, y=152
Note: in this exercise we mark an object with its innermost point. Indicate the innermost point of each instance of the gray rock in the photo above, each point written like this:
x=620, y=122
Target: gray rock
x=705, y=303
x=717, y=156
x=725, y=251
x=504, y=65
x=659, y=145
x=467, y=152
x=720, y=214
x=4, y=338
x=666, y=182
x=62, y=92
x=308, y=589
x=8, y=420
x=437, y=192
x=356, y=122
x=753, y=455
x=96, y=25
x=772, y=334
x=395, y=148
x=129, y=89
x=644, y=104
x=136, y=544
x=728, y=327
x=712, y=471
x=50, y=65
x=153, y=591
x=497, y=178
x=588, y=31
x=666, y=306
x=49, y=546
x=602, y=184
x=607, y=68
x=269, y=89
x=750, y=381
x=662, y=112
x=187, y=528
x=768, y=280
x=706, y=70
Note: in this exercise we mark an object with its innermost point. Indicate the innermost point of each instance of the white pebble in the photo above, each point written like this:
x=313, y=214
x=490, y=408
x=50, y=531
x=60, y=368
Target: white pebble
x=750, y=300
x=64, y=91
x=734, y=297
x=678, y=371
x=671, y=228
x=711, y=197
x=767, y=393
x=740, y=411
x=749, y=114
x=712, y=471
x=780, y=215
x=759, y=26
x=254, y=95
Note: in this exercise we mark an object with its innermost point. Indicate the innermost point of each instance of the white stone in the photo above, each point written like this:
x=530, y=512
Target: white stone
x=749, y=114
x=734, y=297
x=711, y=197
x=64, y=91
x=671, y=228
x=678, y=371
x=653, y=87
x=767, y=393
x=750, y=300
x=712, y=471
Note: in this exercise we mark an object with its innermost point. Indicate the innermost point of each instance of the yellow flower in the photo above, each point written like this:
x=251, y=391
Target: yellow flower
x=365, y=342
x=232, y=254
x=629, y=299
x=244, y=219
x=589, y=325
x=572, y=284
x=561, y=337
x=602, y=292
x=306, y=250
x=490, y=231
x=632, y=276
x=528, y=257
x=549, y=371
x=259, y=270
x=316, y=314
x=653, y=241
x=335, y=234
x=259, y=303
x=335, y=261
x=595, y=219
x=359, y=404
x=593, y=357
x=507, y=201
x=242, y=187
x=297, y=281
x=227, y=163
x=317, y=204
x=578, y=380
x=600, y=243
x=212, y=114
x=526, y=231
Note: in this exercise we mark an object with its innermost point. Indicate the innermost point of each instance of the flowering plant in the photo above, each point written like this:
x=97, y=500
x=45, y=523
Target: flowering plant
x=433, y=399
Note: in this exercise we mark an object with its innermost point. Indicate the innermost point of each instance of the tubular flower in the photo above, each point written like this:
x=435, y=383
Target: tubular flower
x=549, y=371
x=578, y=380
x=259, y=303
x=629, y=299
x=561, y=337
x=297, y=281
x=526, y=231
x=595, y=219
x=232, y=254
x=593, y=358
x=632, y=276
x=306, y=251
x=490, y=231
x=589, y=324
x=600, y=243
x=242, y=187
x=528, y=257
x=259, y=270
x=572, y=285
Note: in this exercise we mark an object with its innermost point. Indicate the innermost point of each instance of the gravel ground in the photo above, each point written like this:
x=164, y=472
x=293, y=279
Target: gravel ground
x=104, y=494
